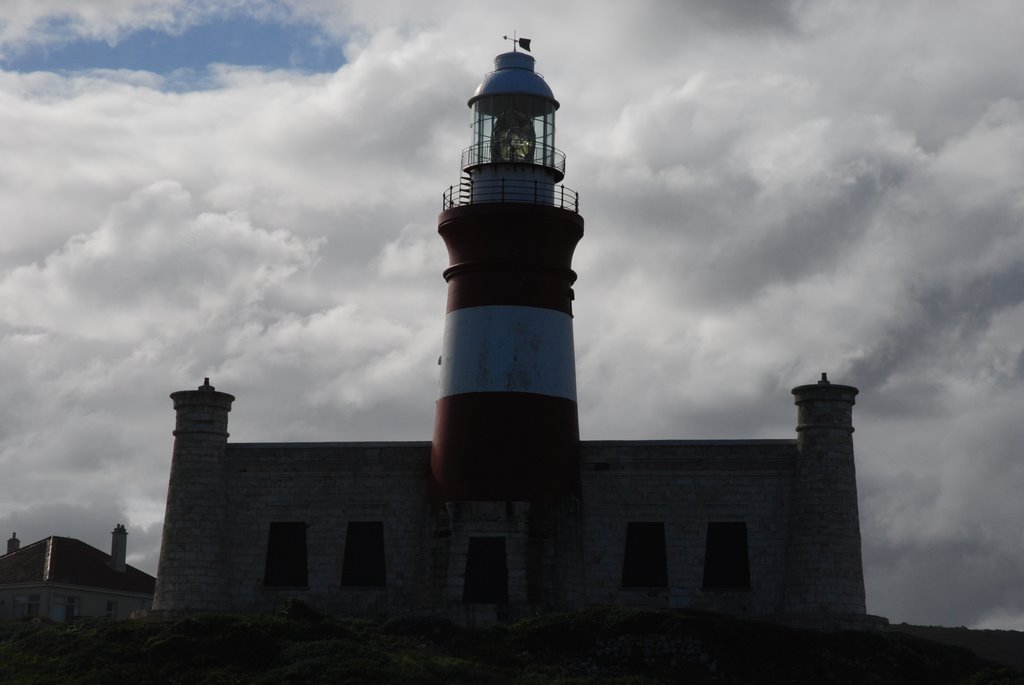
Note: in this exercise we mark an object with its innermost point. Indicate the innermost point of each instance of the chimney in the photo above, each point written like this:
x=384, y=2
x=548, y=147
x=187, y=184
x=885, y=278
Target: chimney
x=118, y=547
x=14, y=544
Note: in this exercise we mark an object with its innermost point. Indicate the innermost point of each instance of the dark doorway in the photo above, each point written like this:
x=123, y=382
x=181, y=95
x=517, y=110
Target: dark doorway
x=726, y=565
x=643, y=562
x=286, y=555
x=486, y=572
x=364, y=554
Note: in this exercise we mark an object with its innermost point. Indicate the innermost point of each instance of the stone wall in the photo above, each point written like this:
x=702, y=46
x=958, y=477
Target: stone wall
x=793, y=502
x=686, y=485
x=326, y=486
x=682, y=484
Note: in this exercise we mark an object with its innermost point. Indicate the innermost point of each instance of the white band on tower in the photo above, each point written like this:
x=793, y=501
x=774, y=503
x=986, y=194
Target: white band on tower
x=506, y=348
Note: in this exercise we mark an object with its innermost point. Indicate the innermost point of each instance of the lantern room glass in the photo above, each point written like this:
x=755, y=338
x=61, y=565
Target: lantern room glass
x=513, y=128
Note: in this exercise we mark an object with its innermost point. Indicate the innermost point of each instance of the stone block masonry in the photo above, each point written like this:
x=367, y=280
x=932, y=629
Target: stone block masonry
x=326, y=486
x=684, y=486
x=764, y=528
x=192, y=562
x=825, y=574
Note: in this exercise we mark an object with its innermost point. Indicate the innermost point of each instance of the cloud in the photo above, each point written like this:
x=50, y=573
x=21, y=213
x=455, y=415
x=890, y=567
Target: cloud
x=771, y=190
x=48, y=24
x=56, y=22
x=90, y=334
x=153, y=265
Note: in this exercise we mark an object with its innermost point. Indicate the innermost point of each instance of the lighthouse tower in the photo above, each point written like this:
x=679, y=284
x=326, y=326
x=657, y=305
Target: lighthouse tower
x=504, y=460
x=506, y=427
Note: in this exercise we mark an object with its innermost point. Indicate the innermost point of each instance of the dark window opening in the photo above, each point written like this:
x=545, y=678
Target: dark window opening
x=644, y=563
x=726, y=566
x=286, y=555
x=364, y=554
x=486, y=572
x=535, y=569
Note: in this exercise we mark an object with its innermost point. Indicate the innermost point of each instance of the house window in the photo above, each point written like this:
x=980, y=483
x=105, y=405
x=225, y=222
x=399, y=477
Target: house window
x=364, y=554
x=726, y=565
x=486, y=572
x=63, y=608
x=286, y=555
x=111, y=608
x=26, y=605
x=643, y=561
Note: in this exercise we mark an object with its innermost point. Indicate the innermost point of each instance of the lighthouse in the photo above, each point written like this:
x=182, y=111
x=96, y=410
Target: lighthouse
x=506, y=512
x=506, y=425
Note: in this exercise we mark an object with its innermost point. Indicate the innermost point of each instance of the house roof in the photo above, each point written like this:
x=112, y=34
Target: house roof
x=71, y=562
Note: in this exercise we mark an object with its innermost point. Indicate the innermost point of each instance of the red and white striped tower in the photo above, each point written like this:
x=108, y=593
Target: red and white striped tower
x=506, y=427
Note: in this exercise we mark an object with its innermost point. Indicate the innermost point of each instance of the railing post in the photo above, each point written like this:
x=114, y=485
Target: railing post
x=503, y=190
x=534, y=191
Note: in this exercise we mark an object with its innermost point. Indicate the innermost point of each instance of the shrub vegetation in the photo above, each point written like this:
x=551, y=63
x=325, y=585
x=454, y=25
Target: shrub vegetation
x=590, y=647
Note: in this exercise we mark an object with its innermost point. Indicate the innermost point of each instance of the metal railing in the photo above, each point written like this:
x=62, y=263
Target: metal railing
x=470, y=192
x=543, y=155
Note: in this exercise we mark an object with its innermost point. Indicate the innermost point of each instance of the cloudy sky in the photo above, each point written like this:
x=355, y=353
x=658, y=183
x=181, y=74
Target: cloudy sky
x=248, y=190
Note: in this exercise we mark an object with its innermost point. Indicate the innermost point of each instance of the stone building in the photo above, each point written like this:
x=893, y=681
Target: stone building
x=506, y=512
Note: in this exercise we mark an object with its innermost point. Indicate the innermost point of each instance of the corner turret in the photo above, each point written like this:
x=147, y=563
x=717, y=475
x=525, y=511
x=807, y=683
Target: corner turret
x=190, y=573
x=825, y=576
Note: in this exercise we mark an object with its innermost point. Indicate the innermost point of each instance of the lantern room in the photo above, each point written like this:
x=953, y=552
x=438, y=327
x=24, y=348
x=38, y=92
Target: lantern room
x=514, y=122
